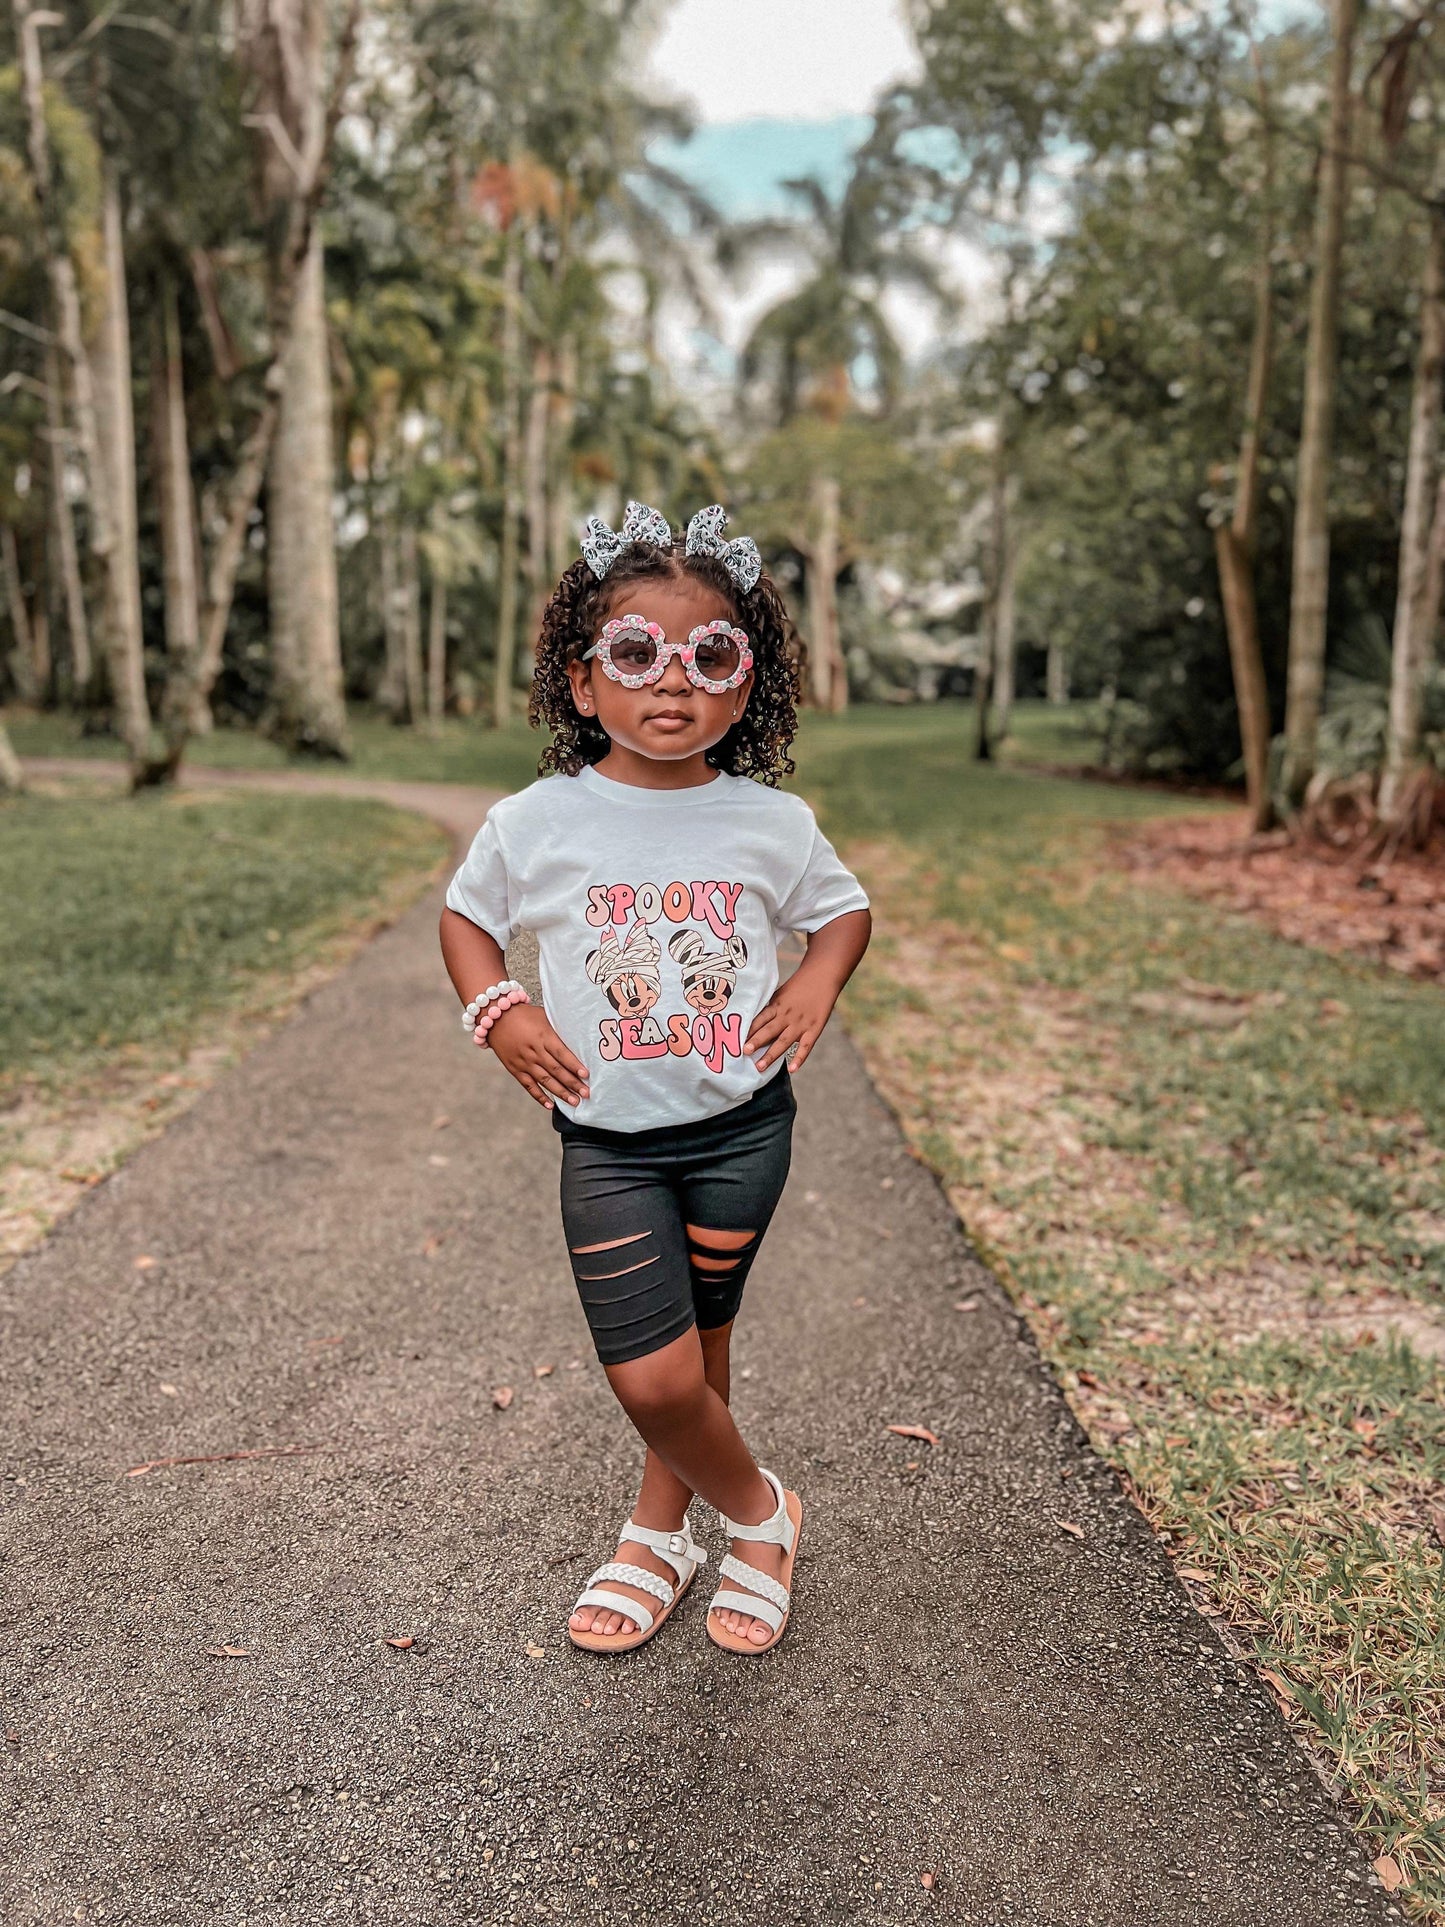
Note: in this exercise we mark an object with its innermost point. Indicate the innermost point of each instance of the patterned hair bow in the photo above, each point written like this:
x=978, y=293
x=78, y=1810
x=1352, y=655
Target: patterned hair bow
x=740, y=558
x=641, y=524
x=640, y=956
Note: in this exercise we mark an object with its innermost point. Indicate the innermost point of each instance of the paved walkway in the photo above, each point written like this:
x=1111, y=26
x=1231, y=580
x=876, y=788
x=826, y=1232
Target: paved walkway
x=355, y=1240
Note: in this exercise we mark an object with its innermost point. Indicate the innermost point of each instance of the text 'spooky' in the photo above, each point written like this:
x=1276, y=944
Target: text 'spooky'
x=712, y=903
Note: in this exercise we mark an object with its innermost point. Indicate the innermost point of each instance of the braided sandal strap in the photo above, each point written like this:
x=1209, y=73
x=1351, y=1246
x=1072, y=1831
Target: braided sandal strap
x=598, y=1594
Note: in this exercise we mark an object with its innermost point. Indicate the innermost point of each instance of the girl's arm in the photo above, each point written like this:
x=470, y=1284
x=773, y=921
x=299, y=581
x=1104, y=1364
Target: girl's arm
x=798, y=1009
x=521, y=1037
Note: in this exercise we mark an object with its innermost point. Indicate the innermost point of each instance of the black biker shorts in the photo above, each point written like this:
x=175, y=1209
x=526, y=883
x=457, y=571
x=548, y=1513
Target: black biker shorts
x=633, y=1194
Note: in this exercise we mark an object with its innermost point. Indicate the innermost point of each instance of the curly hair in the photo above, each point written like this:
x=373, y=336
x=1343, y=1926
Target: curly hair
x=756, y=745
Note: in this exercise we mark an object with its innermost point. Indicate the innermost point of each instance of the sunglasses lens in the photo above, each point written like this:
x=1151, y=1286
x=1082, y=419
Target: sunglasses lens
x=633, y=652
x=717, y=657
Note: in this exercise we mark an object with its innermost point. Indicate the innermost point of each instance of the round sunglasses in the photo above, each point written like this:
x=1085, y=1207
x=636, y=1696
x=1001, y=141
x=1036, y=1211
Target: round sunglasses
x=636, y=652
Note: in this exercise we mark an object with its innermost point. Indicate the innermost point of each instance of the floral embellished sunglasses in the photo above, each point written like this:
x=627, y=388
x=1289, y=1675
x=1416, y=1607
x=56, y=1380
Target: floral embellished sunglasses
x=635, y=652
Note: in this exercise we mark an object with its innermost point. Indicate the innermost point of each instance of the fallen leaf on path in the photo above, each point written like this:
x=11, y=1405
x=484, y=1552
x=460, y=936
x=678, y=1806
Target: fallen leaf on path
x=401, y=1642
x=440, y=1123
x=229, y=1652
x=334, y=1339
x=536, y=1652
x=168, y=1390
x=1391, y=1878
x=1088, y=1378
x=1191, y=1572
x=925, y=1880
x=502, y=1397
x=433, y=1244
x=145, y=1262
x=543, y=1371
x=72, y=1176
x=1280, y=1687
x=859, y=1303
x=437, y=1158
x=915, y=1432
x=1367, y=1428
x=1067, y=1525
x=886, y=1184
x=966, y=1304
x=912, y=1465
x=218, y=1458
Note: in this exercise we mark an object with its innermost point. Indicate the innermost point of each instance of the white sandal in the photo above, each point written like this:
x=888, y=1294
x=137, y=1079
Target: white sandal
x=767, y=1598
x=682, y=1553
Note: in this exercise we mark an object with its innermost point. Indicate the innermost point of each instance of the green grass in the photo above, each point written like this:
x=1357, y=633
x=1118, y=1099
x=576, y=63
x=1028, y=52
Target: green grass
x=1305, y=1143
x=1058, y=736
x=460, y=752
x=131, y=921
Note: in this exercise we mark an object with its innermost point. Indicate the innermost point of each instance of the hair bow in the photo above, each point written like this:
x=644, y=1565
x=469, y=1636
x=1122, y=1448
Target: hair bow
x=740, y=557
x=640, y=956
x=602, y=545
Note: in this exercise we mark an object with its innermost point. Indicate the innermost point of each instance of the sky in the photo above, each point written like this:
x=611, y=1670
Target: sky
x=781, y=88
x=789, y=60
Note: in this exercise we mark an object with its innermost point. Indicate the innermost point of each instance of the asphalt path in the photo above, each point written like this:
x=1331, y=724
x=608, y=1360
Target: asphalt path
x=352, y=1241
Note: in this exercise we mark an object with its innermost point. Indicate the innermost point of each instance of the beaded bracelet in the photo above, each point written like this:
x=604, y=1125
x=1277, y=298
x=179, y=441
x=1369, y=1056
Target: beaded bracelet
x=493, y=1011
x=478, y=1004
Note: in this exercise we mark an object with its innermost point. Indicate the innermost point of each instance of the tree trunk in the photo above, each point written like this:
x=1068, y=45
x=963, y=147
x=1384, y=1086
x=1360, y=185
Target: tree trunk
x=534, y=485
x=115, y=422
x=1004, y=637
x=1310, y=568
x=1234, y=541
x=12, y=777
x=1415, y=619
x=564, y=415
x=245, y=482
x=307, y=696
x=127, y=681
x=828, y=674
x=391, y=691
x=436, y=654
x=411, y=624
x=994, y=618
x=1056, y=674
x=175, y=494
x=22, y=654
x=62, y=517
x=511, y=480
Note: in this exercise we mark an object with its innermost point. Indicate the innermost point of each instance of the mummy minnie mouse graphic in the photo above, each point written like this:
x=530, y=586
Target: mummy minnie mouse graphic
x=658, y=864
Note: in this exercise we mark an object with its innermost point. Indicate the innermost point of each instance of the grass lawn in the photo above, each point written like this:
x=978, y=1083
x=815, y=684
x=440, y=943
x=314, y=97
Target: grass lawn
x=461, y=752
x=143, y=940
x=1210, y=1166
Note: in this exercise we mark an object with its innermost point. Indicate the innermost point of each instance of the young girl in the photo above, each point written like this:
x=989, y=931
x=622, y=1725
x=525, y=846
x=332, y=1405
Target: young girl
x=657, y=866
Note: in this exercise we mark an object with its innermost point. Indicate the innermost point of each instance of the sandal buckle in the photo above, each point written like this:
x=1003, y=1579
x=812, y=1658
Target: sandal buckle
x=677, y=1542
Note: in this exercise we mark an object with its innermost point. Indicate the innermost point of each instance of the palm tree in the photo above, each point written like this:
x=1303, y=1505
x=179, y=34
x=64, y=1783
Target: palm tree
x=826, y=347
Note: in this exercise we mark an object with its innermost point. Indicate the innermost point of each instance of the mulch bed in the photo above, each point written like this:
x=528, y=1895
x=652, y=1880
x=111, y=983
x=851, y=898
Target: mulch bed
x=1343, y=901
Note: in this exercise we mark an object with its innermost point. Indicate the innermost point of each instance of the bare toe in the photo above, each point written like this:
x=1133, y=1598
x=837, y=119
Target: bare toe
x=759, y=1632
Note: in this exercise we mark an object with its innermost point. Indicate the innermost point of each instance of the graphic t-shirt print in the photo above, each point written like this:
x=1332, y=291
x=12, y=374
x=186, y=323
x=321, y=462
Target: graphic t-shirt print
x=700, y=922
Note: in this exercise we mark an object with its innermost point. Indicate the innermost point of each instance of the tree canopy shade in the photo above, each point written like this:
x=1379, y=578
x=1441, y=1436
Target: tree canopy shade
x=326, y=327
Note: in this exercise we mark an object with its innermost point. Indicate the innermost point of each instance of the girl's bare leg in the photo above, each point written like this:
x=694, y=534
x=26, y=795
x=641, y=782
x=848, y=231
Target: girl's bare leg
x=677, y=1399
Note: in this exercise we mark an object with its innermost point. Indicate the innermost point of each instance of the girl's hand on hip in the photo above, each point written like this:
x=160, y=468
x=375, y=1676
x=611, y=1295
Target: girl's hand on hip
x=794, y=1014
x=535, y=1055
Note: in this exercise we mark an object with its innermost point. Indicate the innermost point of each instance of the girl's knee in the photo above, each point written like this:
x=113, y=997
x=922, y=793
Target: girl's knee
x=659, y=1389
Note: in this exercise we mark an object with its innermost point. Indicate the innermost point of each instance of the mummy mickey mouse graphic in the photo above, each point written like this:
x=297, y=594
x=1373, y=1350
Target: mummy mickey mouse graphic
x=708, y=977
